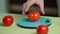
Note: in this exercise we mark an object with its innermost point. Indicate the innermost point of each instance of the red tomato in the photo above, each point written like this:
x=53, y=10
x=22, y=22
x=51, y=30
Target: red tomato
x=33, y=16
x=8, y=20
x=42, y=29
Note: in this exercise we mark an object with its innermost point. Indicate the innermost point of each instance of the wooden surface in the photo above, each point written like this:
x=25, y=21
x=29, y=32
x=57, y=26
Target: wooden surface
x=54, y=28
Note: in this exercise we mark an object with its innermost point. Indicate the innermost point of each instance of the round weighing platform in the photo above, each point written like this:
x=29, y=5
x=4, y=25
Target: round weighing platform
x=25, y=22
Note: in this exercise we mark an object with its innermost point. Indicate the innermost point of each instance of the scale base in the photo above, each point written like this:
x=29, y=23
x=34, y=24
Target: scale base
x=26, y=23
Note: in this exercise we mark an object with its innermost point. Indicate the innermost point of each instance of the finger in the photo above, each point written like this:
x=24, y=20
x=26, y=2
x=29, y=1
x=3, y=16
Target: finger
x=29, y=5
x=24, y=5
x=41, y=5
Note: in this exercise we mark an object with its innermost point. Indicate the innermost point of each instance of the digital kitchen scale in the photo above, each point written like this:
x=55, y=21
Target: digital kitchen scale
x=25, y=22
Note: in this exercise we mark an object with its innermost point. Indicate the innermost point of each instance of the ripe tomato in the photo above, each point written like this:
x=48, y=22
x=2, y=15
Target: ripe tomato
x=8, y=20
x=33, y=16
x=42, y=29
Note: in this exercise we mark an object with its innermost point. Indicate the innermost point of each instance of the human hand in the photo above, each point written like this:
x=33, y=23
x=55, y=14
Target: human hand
x=29, y=3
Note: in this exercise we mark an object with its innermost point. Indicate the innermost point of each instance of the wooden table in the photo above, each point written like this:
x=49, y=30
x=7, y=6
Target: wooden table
x=54, y=28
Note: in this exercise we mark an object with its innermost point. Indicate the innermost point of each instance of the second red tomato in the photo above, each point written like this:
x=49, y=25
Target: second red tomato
x=8, y=20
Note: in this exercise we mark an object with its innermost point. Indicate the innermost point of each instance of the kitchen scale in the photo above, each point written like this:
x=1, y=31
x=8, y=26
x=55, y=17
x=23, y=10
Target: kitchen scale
x=25, y=22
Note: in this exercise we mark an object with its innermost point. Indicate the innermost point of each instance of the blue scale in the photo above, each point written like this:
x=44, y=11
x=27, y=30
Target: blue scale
x=25, y=22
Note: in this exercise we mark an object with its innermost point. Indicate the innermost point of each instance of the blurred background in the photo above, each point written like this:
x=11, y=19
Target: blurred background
x=15, y=6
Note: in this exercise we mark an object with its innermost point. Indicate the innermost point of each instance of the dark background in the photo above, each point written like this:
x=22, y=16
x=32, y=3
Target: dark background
x=51, y=3
x=15, y=6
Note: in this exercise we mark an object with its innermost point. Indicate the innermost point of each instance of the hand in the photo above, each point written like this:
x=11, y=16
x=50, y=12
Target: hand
x=29, y=3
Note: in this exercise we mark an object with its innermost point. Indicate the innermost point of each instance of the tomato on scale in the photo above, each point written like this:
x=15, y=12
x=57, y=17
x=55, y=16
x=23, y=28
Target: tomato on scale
x=33, y=16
